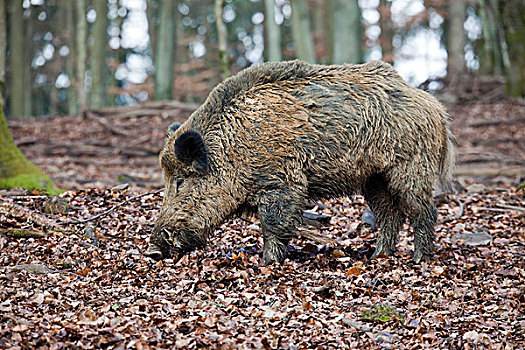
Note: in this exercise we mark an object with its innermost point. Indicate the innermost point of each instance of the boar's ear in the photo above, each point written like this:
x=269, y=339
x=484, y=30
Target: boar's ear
x=172, y=128
x=191, y=150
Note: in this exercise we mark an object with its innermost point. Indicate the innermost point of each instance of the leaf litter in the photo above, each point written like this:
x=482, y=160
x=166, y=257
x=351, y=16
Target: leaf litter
x=84, y=282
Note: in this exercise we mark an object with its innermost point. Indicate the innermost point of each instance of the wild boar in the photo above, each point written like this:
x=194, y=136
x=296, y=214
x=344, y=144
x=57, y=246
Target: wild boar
x=278, y=134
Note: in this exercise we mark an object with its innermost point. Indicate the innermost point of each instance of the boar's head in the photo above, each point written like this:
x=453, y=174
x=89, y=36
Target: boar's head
x=196, y=199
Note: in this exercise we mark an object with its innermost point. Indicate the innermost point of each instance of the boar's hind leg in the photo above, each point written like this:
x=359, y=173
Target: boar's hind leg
x=415, y=196
x=279, y=214
x=390, y=217
x=423, y=219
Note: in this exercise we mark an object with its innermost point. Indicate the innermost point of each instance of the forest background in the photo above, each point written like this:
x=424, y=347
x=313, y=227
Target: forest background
x=67, y=56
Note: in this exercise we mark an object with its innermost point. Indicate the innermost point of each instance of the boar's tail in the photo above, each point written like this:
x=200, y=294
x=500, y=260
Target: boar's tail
x=447, y=161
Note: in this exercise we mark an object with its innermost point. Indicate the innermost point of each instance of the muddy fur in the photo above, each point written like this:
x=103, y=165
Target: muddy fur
x=278, y=134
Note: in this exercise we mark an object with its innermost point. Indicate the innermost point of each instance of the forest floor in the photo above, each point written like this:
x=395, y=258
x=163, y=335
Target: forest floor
x=71, y=279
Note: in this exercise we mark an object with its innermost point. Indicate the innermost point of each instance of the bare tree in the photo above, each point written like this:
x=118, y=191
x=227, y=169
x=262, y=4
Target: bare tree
x=348, y=42
x=98, y=55
x=273, y=33
x=28, y=72
x=456, y=40
x=301, y=33
x=3, y=50
x=222, y=34
x=16, y=58
x=494, y=57
x=72, y=105
x=387, y=31
x=152, y=13
x=81, y=54
x=164, y=56
x=513, y=11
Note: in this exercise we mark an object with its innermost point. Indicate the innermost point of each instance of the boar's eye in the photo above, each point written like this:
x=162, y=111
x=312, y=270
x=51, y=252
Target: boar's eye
x=191, y=150
x=179, y=183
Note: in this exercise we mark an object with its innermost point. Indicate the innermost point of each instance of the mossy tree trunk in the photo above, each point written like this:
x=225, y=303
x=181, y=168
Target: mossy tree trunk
x=15, y=169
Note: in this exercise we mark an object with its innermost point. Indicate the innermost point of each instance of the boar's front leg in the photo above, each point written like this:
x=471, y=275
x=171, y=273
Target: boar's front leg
x=279, y=214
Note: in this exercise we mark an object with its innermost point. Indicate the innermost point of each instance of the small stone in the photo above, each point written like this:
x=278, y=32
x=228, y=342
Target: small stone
x=473, y=239
x=32, y=268
x=383, y=337
x=120, y=187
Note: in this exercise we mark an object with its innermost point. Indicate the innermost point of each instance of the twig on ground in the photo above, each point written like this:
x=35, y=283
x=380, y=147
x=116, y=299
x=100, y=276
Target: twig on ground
x=499, y=210
x=104, y=213
x=510, y=207
x=325, y=287
x=314, y=236
x=510, y=121
x=22, y=233
x=106, y=125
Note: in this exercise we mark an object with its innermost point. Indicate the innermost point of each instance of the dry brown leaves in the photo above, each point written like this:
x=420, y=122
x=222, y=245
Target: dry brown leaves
x=109, y=295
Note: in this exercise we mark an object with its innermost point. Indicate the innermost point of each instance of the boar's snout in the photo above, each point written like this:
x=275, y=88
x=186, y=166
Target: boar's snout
x=154, y=252
x=160, y=245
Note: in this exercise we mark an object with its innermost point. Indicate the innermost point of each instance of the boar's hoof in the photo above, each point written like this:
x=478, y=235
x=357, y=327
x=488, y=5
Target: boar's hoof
x=381, y=250
x=420, y=256
x=154, y=252
x=274, y=251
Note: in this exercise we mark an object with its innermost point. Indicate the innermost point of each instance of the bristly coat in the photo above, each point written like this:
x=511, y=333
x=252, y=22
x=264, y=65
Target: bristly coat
x=278, y=134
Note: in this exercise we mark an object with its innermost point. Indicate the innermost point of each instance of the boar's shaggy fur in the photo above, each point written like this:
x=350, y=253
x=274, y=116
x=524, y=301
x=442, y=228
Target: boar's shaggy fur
x=278, y=134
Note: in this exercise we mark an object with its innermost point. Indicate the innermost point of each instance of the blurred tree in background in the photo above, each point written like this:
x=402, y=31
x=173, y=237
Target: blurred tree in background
x=3, y=49
x=66, y=56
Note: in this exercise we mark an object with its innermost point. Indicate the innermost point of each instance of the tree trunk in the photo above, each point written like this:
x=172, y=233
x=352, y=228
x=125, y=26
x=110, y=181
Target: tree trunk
x=16, y=58
x=387, y=31
x=456, y=41
x=98, y=56
x=494, y=58
x=81, y=46
x=222, y=38
x=456, y=36
x=28, y=72
x=301, y=33
x=348, y=36
x=320, y=30
x=72, y=105
x=152, y=13
x=273, y=33
x=3, y=50
x=329, y=9
x=164, y=56
x=513, y=11
x=53, y=98
x=15, y=169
